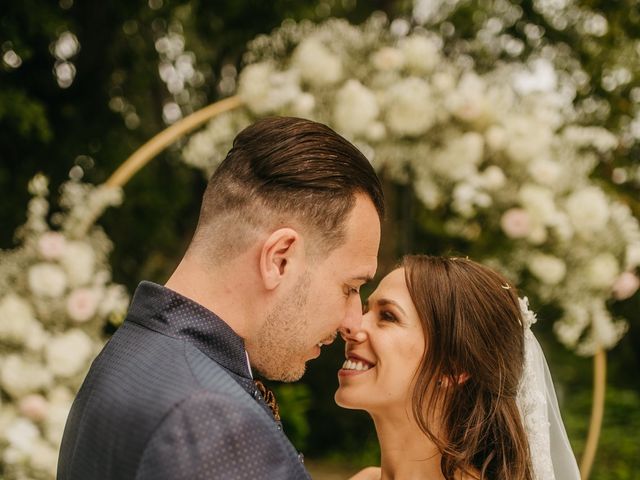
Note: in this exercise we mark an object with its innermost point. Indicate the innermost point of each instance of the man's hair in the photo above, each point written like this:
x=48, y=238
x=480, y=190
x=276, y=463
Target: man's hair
x=279, y=170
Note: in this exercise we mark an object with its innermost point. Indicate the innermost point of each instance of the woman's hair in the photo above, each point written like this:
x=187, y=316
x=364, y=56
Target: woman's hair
x=471, y=369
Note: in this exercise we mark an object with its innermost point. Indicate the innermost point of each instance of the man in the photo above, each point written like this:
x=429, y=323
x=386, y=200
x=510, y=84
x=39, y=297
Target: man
x=288, y=233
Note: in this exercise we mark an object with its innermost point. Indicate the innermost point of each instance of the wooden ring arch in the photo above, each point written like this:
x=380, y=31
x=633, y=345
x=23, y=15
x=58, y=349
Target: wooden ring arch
x=149, y=150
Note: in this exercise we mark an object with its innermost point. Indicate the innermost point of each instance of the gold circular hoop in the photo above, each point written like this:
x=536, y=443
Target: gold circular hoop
x=149, y=150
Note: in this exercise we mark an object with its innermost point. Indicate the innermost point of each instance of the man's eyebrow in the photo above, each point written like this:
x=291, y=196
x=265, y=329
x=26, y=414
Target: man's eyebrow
x=364, y=278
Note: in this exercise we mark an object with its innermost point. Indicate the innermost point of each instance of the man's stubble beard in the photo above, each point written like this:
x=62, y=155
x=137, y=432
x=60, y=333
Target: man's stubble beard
x=281, y=347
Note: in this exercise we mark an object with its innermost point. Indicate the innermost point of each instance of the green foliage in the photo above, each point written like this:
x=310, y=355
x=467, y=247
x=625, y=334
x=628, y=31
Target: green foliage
x=618, y=455
x=294, y=401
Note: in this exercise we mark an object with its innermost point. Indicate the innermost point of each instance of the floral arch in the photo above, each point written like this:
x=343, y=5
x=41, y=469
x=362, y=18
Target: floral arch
x=499, y=153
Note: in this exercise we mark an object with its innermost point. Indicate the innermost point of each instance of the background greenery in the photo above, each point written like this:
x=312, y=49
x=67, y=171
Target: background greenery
x=46, y=128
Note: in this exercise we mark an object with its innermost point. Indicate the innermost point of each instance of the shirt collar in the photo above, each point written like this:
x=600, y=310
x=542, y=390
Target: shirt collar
x=167, y=312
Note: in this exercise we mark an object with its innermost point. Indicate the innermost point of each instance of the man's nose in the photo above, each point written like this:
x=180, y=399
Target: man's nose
x=352, y=323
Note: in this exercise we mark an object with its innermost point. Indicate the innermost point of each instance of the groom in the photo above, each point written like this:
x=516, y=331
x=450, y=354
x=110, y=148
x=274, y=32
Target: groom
x=288, y=232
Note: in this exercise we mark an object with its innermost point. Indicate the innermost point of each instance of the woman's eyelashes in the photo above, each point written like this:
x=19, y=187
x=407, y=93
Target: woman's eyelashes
x=383, y=313
x=387, y=316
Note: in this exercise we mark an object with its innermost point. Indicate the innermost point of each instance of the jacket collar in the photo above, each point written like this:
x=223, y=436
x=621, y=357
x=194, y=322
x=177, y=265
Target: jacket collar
x=169, y=313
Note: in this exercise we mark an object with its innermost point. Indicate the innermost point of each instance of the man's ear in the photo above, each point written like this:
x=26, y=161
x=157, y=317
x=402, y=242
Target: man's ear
x=278, y=251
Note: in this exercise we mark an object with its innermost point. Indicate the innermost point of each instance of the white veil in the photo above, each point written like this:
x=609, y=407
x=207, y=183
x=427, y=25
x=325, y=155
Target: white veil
x=551, y=454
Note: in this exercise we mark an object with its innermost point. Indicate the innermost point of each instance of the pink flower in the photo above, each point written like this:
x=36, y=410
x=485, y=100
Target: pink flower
x=34, y=407
x=516, y=223
x=52, y=245
x=625, y=286
x=82, y=304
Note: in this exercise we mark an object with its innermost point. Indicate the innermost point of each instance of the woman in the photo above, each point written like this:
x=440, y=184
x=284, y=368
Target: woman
x=447, y=368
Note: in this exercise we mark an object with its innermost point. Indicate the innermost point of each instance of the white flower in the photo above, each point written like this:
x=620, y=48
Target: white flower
x=428, y=192
x=69, y=353
x=600, y=138
x=19, y=376
x=265, y=90
x=34, y=407
x=355, y=108
x=602, y=271
x=36, y=337
x=44, y=458
x=376, y=132
x=21, y=434
x=39, y=185
x=468, y=102
x=304, y=104
x=625, y=286
x=521, y=145
x=16, y=319
x=82, y=304
x=459, y=158
x=387, y=58
x=409, y=107
x=605, y=331
x=114, y=300
x=544, y=171
x=547, y=268
x=492, y=178
x=56, y=419
x=51, y=245
x=421, y=54
x=79, y=261
x=318, y=66
x=588, y=210
x=496, y=138
x=632, y=255
x=516, y=223
x=539, y=202
x=47, y=280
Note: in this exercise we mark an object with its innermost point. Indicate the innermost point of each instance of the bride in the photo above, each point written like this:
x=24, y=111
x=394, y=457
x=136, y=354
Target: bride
x=455, y=382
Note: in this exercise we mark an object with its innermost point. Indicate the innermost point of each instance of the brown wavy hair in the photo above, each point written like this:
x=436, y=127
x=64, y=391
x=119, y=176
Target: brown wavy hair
x=471, y=369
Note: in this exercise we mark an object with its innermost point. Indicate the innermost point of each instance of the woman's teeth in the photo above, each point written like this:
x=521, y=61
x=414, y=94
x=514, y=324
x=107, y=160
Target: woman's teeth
x=355, y=365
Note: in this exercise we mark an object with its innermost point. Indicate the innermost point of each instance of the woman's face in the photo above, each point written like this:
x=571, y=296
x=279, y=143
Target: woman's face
x=383, y=356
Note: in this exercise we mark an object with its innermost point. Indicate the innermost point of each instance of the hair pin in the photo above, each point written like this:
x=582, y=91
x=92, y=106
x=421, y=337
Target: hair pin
x=506, y=286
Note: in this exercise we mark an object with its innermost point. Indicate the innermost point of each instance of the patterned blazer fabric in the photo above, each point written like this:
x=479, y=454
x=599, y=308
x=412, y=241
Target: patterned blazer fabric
x=171, y=397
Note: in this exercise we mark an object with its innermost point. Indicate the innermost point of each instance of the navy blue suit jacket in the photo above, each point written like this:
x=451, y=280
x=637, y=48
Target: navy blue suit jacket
x=171, y=396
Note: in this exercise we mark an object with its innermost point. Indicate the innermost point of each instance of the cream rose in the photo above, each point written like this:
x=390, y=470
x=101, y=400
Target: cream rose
x=47, y=280
x=82, y=304
x=421, y=54
x=69, y=353
x=265, y=90
x=51, y=245
x=355, y=108
x=409, y=107
x=516, y=223
x=79, y=261
x=625, y=286
x=19, y=376
x=317, y=65
x=602, y=271
x=16, y=319
x=588, y=210
x=547, y=268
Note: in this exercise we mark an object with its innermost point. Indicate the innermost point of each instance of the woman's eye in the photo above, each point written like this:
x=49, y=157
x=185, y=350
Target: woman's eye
x=387, y=316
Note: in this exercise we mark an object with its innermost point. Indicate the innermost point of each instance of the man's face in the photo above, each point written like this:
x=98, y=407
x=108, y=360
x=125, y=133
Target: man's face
x=326, y=297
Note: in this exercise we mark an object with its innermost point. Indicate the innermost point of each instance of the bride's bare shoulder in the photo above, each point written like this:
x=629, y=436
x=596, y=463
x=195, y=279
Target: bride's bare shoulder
x=369, y=473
